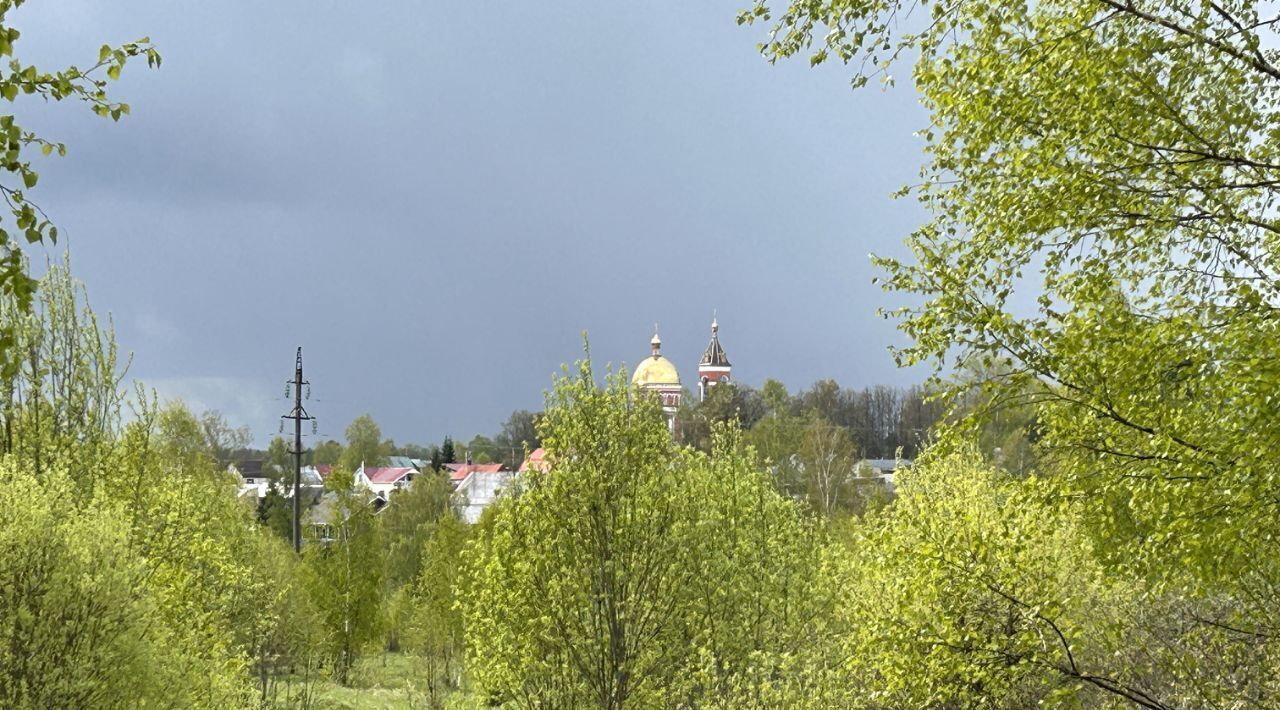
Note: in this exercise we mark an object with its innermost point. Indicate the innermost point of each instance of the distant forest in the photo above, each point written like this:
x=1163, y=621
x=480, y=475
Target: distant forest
x=883, y=421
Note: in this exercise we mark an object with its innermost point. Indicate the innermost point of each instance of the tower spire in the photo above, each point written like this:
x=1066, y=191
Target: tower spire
x=714, y=368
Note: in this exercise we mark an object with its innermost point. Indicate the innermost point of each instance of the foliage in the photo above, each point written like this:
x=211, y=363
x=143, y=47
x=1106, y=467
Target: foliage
x=518, y=437
x=447, y=454
x=275, y=512
x=199, y=541
x=434, y=629
x=364, y=444
x=1140, y=195
x=279, y=462
x=75, y=630
x=815, y=461
x=29, y=223
x=974, y=590
x=407, y=523
x=221, y=438
x=632, y=573
x=63, y=393
x=481, y=450
x=1102, y=179
x=138, y=519
x=326, y=453
x=725, y=403
x=344, y=576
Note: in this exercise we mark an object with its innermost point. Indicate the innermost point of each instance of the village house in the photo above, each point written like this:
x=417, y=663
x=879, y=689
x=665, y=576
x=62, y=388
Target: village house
x=479, y=487
x=255, y=479
x=383, y=480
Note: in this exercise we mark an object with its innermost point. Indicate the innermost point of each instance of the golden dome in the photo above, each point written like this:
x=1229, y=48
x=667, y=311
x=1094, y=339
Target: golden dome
x=655, y=370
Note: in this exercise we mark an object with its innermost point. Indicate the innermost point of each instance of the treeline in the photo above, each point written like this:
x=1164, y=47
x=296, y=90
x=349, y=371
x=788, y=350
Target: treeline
x=812, y=442
x=882, y=422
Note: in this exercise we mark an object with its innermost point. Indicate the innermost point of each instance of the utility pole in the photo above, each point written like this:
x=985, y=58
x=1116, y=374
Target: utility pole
x=298, y=415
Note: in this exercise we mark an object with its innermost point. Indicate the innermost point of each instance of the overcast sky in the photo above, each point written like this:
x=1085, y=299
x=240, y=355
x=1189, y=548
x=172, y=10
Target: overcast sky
x=436, y=199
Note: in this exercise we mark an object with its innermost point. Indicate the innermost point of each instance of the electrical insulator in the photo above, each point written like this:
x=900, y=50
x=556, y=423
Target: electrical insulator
x=286, y=390
x=281, y=426
x=315, y=427
x=308, y=390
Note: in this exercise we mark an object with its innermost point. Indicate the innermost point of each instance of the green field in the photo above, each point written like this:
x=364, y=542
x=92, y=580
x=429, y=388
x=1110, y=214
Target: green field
x=386, y=681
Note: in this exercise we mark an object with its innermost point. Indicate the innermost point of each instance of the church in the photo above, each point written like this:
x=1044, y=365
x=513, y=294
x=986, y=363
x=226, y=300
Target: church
x=659, y=375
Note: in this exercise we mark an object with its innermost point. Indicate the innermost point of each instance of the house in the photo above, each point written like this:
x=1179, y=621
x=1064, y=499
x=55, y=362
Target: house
x=479, y=488
x=382, y=480
x=321, y=524
x=255, y=478
x=882, y=470
x=458, y=472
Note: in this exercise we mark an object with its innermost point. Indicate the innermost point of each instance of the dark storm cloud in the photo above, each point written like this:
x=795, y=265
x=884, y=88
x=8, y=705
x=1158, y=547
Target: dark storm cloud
x=435, y=200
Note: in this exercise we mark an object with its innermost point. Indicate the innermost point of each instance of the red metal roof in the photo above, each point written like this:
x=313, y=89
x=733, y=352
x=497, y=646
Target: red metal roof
x=536, y=461
x=385, y=474
x=464, y=470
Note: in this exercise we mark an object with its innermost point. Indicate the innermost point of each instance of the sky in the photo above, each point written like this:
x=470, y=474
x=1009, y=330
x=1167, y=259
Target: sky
x=437, y=199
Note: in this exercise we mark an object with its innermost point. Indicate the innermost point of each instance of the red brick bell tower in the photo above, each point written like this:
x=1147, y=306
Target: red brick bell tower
x=714, y=367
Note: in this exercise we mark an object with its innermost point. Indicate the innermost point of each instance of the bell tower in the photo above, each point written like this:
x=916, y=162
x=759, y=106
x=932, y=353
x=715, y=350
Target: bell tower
x=714, y=367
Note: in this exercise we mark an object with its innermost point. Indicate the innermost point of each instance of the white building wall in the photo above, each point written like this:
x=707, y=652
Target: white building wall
x=478, y=490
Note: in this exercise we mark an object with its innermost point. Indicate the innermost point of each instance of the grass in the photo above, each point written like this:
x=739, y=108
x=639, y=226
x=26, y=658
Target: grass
x=386, y=681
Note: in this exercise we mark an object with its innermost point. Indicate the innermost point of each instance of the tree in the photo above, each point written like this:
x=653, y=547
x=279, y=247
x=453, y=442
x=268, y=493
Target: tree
x=1102, y=178
x=326, y=453
x=973, y=589
x=364, y=444
x=344, y=578
x=777, y=439
x=725, y=403
x=634, y=573
x=29, y=223
x=220, y=438
x=407, y=523
x=413, y=451
x=481, y=450
x=62, y=388
x=922, y=409
x=435, y=626
x=279, y=461
x=828, y=461
x=447, y=454
x=144, y=524
x=519, y=436
x=275, y=512
x=776, y=399
x=76, y=630
x=434, y=455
